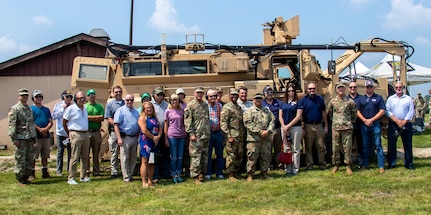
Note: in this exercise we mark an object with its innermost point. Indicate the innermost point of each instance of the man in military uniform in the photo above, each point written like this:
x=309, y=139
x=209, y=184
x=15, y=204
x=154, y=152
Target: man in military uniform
x=197, y=123
x=419, y=104
x=342, y=110
x=259, y=123
x=23, y=134
x=233, y=127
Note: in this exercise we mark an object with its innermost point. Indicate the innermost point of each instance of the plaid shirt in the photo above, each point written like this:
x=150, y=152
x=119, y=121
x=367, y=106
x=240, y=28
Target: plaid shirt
x=214, y=112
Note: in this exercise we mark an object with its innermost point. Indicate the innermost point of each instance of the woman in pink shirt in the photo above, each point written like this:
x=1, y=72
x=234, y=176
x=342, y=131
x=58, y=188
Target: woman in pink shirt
x=176, y=135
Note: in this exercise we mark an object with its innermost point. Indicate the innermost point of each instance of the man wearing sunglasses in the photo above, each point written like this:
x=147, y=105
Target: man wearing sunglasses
x=42, y=123
x=23, y=134
x=62, y=138
x=371, y=108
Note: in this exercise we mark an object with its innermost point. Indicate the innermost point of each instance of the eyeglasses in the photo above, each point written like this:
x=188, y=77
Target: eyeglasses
x=161, y=95
x=369, y=86
x=80, y=98
x=291, y=91
x=129, y=100
x=213, y=96
x=39, y=97
x=92, y=94
x=117, y=92
x=312, y=88
x=353, y=87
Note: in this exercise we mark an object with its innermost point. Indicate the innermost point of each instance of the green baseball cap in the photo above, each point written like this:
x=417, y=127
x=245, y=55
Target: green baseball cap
x=91, y=91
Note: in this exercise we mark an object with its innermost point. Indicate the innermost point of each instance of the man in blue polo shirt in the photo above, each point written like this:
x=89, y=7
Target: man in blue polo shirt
x=400, y=110
x=313, y=110
x=371, y=108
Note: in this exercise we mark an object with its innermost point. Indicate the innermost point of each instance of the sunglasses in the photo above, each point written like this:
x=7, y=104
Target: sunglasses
x=398, y=87
x=80, y=98
x=312, y=88
x=39, y=97
x=69, y=97
x=291, y=91
x=129, y=100
x=117, y=92
x=352, y=87
x=213, y=96
x=369, y=86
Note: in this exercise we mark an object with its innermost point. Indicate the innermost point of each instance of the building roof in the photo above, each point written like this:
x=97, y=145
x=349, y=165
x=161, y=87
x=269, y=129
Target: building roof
x=55, y=46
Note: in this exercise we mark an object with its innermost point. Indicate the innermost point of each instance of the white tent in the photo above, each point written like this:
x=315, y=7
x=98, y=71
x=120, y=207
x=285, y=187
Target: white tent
x=415, y=74
x=359, y=67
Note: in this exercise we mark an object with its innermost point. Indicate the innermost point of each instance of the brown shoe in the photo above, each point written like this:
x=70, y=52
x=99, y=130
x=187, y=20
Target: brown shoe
x=250, y=177
x=382, y=170
x=349, y=170
x=231, y=177
x=334, y=170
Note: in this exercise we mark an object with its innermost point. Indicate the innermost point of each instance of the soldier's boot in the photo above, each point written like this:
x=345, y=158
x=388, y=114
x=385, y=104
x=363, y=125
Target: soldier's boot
x=250, y=177
x=45, y=173
x=231, y=177
x=349, y=170
x=32, y=176
x=21, y=181
x=197, y=181
x=201, y=178
x=265, y=175
x=335, y=169
x=236, y=175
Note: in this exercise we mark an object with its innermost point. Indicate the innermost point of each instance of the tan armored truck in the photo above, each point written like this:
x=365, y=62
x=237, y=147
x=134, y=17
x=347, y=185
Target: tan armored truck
x=276, y=62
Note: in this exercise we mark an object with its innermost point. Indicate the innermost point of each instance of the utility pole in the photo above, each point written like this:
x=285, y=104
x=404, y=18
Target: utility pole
x=131, y=23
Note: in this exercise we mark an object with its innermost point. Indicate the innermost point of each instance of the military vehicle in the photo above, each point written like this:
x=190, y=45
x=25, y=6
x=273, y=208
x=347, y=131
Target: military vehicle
x=277, y=62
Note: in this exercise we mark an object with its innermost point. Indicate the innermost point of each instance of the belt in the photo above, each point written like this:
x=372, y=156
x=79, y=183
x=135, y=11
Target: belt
x=215, y=130
x=124, y=134
x=314, y=123
x=94, y=130
x=78, y=131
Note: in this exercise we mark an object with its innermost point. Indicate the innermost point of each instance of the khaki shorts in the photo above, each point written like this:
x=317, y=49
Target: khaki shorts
x=42, y=147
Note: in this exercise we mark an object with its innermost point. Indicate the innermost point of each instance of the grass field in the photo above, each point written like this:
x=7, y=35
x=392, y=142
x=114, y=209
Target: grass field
x=397, y=191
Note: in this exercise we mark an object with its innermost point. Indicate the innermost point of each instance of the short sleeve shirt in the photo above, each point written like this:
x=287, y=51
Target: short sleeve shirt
x=312, y=108
x=370, y=106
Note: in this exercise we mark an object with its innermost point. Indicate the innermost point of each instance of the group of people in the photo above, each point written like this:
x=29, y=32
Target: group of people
x=250, y=132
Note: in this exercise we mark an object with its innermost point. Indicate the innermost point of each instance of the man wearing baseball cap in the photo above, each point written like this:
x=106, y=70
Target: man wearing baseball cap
x=371, y=107
x=96, y=112
x=42, y=123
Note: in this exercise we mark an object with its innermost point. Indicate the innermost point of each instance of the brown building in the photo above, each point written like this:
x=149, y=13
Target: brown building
x=48, y=69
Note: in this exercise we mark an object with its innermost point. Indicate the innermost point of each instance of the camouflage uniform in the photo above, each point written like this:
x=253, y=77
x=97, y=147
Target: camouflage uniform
x=419, y=103
x=231, y=123
x=197, y=123
x=257, y=119
x=23, y=135
x=343, y=114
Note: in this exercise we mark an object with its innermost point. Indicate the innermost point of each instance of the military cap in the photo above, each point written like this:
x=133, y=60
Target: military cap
x=419, y=93
x=258, y=96
x=91, y=91
x=179, y=91
x=219, y=90
x=22, y=91
x=339, y=84
x=199, y=89
x=233, y=91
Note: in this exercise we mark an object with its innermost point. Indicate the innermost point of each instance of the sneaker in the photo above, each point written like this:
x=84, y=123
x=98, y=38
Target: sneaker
x=175, y=180
x=86, y=179
x=72, y=182
x=179, y=179
x=114, y=176
x=208, y=177
x=220, y=176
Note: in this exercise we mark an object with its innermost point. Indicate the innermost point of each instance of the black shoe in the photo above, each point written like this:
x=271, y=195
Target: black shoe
x=114, y=176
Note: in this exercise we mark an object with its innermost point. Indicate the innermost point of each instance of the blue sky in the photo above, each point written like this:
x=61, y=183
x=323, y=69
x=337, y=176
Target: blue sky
x=29, y=25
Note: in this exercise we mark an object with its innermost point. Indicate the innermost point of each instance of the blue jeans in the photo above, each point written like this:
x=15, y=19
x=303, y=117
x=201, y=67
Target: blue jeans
x=176, y=146
x=406, y=136
x=371, y=135
x=60, y=153
x=216, y=142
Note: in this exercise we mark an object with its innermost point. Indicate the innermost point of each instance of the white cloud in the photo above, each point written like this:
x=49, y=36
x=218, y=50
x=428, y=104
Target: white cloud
x=165, y=19
x=42, y=20
x=422, y=41
x=405, y=14
x=11, y=49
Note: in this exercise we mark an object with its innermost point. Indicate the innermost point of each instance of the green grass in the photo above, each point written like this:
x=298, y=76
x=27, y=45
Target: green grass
x=397, y=191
